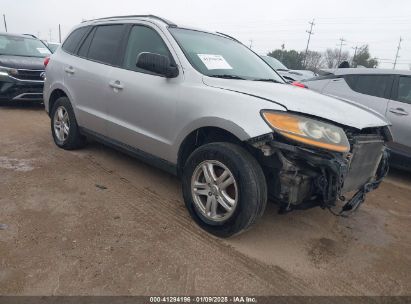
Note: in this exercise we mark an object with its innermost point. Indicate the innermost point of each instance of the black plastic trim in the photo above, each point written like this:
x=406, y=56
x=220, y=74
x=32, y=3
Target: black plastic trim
x=134, y=152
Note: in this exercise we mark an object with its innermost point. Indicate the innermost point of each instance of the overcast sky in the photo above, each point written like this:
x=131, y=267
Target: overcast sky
x=269, y=24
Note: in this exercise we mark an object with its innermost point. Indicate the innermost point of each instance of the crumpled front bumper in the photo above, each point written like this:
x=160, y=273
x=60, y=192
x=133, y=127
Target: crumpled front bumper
x=300, y=177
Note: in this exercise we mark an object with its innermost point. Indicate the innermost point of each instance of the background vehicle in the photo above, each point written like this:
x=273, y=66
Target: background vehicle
x=386, y=91
x=53, y=46
x=205, y=107
x=286, y=73
x=21, y=67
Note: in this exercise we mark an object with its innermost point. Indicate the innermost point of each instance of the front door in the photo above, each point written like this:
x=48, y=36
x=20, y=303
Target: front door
x=142, y=115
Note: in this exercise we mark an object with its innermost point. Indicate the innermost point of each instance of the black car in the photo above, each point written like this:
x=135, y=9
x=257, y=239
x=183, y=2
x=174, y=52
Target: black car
x=21, y=67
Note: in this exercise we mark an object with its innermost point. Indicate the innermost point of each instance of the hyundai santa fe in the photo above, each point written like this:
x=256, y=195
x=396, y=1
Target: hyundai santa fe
x=206, y=108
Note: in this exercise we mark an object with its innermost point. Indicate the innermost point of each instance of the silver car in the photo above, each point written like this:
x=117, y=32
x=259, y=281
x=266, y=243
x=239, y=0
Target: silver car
x=206, y=108
x=386, y=91
x=286, y=73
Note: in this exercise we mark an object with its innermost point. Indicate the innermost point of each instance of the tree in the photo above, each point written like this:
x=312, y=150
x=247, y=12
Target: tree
x=314, y=61
x=291, y=59
x=363, y=58
x=332, y=58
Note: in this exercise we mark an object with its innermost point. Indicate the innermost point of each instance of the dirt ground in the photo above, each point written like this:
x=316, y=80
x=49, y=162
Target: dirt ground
x=97, y=222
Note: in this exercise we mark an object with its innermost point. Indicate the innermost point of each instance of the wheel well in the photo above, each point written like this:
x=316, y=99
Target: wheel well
x=56, y=94
x=201, y=137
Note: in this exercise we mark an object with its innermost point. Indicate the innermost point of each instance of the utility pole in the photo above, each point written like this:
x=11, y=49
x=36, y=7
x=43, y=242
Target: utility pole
x=5, y=23
x=59, y=33
x=342, y=40
x=251, y=43
x=310, y=32
x=355, y=54
x=49, y=35
x=398, y=50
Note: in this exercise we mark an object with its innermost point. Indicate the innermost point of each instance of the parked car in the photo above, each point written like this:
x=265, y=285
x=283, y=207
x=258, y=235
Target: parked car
x=21, y=67
x=286, y=73
x=386, y=91
x=206, y=108
x=53, y=46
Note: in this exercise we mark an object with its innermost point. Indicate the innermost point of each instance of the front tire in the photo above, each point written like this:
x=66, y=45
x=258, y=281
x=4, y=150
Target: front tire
x=224, y=188
x=64, y=126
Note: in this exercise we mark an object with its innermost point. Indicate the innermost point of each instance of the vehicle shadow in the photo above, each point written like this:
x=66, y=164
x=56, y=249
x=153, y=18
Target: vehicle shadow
x=27, y=105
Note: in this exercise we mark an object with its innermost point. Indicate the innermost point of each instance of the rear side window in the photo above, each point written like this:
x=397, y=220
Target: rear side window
x=73, y=40
x=106, y=43
x=143, y=39
x=373, y=85
x=83, y=50
x=404, y=89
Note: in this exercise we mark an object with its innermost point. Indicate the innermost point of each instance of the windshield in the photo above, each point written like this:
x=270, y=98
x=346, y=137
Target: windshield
x=274, y=63
x=21, y=46
x=217, y=56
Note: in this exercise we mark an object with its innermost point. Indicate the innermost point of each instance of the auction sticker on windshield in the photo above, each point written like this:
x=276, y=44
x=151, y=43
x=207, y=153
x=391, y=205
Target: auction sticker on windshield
x=43, y=51
x=214, y=62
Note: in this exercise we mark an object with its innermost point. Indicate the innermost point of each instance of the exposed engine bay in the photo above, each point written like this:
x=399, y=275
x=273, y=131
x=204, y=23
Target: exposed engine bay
x=300, y=177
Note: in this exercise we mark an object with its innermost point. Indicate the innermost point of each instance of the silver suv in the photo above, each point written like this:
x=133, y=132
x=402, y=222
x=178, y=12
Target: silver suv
x=386, y=91
x=205, y=107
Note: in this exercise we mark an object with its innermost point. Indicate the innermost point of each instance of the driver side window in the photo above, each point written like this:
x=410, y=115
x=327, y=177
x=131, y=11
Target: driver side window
x=143, y=39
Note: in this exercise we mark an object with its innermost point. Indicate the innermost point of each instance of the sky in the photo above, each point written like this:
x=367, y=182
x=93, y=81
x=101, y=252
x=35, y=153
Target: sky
x=262, y=24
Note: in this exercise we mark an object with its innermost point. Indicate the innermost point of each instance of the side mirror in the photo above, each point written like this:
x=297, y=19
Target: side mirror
x=156, y=63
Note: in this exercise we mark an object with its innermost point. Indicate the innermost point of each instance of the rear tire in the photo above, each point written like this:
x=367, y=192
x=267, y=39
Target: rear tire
x=224, y=188
x=64, y=126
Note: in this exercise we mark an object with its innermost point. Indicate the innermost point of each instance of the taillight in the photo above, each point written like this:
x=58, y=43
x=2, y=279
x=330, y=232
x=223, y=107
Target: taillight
x=46, y=61
x=299, y=84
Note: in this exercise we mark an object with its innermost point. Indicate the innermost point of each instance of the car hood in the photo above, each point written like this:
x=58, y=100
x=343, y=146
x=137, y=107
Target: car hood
x=304, y=101
x=21, y=62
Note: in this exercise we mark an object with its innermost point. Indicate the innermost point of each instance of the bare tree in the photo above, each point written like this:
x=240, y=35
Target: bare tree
x=331, y=58
x=313, y=60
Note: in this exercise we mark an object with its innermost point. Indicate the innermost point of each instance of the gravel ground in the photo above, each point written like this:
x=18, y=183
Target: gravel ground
x=97, y=222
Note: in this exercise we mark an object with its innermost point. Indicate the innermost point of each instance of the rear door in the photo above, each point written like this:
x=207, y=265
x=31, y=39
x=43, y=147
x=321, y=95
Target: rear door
x=372, y=91
x=88, y=75
x=399, y=114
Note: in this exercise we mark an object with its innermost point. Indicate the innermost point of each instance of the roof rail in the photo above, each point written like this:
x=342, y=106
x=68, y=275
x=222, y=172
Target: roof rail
x=30, y=35
x=228, y=36
x=169, y=23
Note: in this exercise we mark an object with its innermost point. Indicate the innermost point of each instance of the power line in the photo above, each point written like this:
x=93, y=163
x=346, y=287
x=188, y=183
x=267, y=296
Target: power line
x=398, y=50
x=342, y=40
x=310, y=32
x=355, y=54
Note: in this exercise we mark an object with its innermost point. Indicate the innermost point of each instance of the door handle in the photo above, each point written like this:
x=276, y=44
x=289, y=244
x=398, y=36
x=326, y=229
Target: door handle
x=116, y=85
x=398, y=111
x=69, y=70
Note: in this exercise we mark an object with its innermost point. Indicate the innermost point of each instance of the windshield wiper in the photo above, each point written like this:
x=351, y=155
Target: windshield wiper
x=267, y=80
x=227, y=76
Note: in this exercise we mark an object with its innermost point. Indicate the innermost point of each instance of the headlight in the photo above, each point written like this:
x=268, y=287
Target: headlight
x=8, y=71
x=308, y=131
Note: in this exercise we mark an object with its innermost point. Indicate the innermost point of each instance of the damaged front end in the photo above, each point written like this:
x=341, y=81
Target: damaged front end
x=301, y=177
